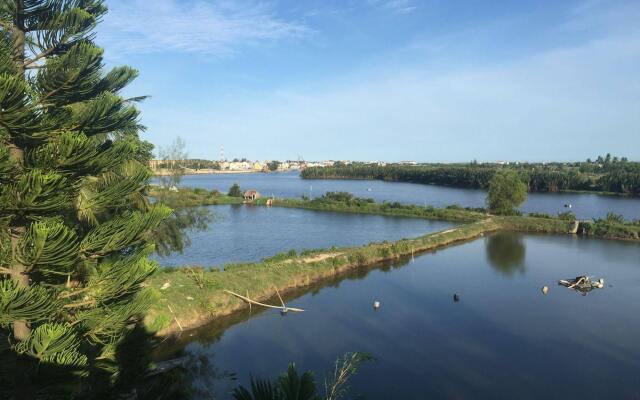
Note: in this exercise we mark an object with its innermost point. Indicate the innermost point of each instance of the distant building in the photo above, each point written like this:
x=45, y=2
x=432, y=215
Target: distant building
x=251, y=195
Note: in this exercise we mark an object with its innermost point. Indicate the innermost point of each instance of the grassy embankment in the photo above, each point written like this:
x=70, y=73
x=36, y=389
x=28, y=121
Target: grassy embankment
x=187, y=197
x=194, y=296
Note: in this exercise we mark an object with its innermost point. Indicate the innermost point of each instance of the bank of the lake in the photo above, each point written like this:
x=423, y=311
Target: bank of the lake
x=188, y=298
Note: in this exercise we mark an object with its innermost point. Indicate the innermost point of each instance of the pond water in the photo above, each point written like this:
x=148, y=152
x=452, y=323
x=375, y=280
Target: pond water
x=503, y=339
x=243, y=233
x=290, y=184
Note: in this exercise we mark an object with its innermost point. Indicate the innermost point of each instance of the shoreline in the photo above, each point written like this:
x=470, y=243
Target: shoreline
x=205, y=172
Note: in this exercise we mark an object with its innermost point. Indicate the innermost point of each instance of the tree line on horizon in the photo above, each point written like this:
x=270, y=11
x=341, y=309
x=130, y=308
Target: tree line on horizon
x=611, y=175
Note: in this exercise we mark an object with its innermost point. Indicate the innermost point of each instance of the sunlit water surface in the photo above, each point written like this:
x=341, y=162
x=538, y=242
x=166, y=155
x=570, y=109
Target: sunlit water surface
x=245, y=233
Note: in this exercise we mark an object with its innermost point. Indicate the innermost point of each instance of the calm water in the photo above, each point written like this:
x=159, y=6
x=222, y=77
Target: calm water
x=291, y=185
x=241, y=233
x=504, y=339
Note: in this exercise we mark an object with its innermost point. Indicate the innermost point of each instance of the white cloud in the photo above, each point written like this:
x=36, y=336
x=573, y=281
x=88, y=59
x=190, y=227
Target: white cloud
x=216, y=28
x=396, y=6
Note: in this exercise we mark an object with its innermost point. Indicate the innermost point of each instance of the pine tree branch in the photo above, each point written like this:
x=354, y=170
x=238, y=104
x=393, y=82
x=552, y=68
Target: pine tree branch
x=27, y=63
x=7, y=271
x=66, y=295
x=80, y=304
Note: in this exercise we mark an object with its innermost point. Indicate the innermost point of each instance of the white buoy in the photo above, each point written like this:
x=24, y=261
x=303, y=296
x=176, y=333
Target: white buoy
x=545, y=289
x=376, y=304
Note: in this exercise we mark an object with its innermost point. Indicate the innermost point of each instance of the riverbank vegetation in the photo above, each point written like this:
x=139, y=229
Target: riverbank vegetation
x=605, y=175
x=612, y=227
x=188, y=197
x=346, y=202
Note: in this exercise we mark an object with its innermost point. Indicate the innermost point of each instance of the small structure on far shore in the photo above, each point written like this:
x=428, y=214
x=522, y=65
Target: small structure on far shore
x=251, y=195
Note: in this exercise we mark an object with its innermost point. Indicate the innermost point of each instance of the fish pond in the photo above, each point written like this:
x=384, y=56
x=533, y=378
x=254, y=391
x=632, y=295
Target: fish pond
x=248, y=234
x=289, y=184
x=502, y=339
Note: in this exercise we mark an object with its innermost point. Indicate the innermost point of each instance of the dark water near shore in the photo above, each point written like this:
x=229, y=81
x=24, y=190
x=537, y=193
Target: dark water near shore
x=289, y=184
x=504, y=339
x=244, y=233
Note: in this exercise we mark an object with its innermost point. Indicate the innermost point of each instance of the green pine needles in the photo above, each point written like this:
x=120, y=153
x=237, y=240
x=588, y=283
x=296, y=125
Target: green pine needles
x=74, y=220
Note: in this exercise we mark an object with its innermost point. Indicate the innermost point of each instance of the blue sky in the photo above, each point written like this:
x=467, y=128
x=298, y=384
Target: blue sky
x=384, y=79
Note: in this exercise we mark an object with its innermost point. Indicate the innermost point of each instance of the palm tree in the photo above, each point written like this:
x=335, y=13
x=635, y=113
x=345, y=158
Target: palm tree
x=292, y=386
x=289, y=386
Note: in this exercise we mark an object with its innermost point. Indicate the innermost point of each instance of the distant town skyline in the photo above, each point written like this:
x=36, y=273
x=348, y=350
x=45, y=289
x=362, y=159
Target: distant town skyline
x=391, y=80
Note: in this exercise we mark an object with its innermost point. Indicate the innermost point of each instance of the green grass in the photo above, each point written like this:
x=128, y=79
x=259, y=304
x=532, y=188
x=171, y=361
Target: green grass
x=187, y=197
x=451, y=213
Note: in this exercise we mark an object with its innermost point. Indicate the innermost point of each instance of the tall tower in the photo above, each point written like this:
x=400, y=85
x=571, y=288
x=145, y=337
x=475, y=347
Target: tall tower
x=221, y=153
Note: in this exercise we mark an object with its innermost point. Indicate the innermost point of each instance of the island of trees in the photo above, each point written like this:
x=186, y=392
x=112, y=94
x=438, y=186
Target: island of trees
x=606, y=174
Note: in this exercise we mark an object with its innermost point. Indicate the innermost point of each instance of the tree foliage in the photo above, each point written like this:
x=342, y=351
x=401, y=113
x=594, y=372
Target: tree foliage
x=506, y=192
x=74, y=222
x=273, y=165
x=234, y=191
x=172, y=235
x=620, y=176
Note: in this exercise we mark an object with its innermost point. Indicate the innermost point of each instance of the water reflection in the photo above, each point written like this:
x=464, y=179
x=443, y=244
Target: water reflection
x=238, y=234
x=486, y=346
x=506, y=252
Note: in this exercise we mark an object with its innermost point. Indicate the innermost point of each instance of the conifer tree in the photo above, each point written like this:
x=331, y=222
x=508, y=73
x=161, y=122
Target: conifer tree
x=74, y=221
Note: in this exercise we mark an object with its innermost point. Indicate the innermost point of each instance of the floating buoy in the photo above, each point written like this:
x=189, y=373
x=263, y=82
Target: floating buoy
x=284, y=311
x=545, y=289
x=376, y=304
x=456, y=298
